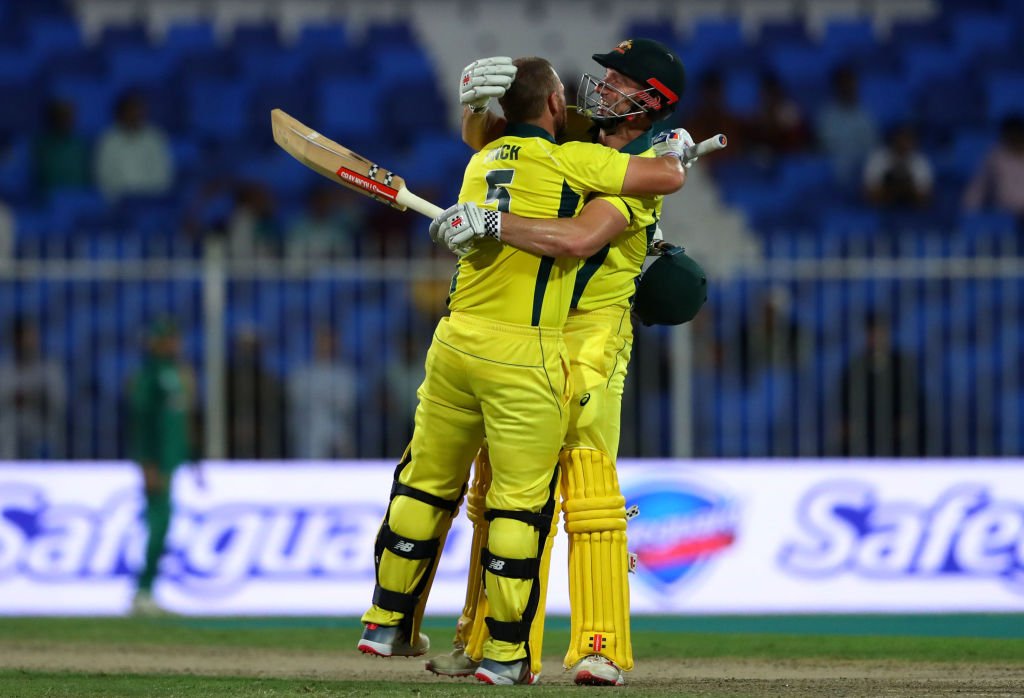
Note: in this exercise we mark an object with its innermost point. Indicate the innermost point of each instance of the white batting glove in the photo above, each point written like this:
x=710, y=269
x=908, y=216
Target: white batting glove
x=677, y=143
x=485, y=78
x=462, y=225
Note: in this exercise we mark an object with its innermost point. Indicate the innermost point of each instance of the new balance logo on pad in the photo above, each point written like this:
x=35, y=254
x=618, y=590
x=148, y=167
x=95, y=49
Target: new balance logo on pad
x=496, y=565
x=404, y=546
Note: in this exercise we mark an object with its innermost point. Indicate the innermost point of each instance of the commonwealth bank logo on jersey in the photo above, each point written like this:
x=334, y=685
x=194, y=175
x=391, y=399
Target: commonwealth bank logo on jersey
x=682, y=527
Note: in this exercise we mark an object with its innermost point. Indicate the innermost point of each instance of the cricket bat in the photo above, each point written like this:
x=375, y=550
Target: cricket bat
x=345, y=167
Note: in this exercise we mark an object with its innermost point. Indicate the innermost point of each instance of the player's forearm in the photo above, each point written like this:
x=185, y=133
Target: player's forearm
x=546, y=237
x=480, y=128
x=653, y=176
x=578, y=237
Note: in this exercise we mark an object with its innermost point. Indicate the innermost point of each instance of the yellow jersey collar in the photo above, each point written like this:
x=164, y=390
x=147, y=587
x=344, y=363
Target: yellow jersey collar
x=528, y=131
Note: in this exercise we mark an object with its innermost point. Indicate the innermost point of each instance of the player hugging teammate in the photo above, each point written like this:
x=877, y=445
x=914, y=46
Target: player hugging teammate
x=533, y=359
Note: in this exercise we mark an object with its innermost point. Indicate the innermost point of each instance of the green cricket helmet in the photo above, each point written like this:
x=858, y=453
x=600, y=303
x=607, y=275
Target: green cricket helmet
x=645, y=61
x=672, y=290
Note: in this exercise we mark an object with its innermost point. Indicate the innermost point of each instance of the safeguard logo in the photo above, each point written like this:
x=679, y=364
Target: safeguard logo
x=682, y=527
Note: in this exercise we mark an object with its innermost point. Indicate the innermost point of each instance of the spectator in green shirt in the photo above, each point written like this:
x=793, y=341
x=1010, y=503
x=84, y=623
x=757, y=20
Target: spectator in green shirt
x=61, y=156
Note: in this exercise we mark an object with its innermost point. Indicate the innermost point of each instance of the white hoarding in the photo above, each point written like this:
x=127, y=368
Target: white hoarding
x=712, y=537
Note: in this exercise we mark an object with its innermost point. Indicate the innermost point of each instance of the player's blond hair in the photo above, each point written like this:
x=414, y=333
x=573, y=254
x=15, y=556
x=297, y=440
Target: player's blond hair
x=535, y=81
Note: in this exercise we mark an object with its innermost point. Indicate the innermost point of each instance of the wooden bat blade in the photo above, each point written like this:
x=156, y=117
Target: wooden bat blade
x=334, y=161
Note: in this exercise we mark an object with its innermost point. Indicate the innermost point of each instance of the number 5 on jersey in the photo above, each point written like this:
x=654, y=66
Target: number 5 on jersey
x=497, y=183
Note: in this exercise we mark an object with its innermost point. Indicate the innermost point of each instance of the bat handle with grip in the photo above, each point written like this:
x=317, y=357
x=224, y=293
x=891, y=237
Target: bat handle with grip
x=708, y=145
x=418, y=204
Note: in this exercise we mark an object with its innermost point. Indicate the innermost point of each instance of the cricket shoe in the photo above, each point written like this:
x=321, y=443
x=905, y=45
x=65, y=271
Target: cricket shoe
x=506, y=673
x=390, y=641
x=455, y=663
x=145, y=606
x=595, y=670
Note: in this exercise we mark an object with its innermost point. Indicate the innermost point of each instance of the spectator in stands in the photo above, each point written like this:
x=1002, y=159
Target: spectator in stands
x=322, y=402
x=6, y=231
x=61, y=157
x=253, y=229
x=33, y=398
x=327, y=228
x=771, y=338
x=898, y=175
x=402, y=376
x=846, y=131
x=881, y=402
x=133, y=156
x=255, y=403
x=999, y=181
x=162, y=398
x=712, y=115
x=778, y=126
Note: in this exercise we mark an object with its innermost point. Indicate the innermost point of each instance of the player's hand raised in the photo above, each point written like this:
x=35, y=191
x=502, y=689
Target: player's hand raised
x=485, y=78
x=679, y=143
x=462, y=225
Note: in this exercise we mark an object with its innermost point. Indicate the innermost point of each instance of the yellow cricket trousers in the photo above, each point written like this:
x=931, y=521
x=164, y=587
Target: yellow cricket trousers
x=599, y=344
x=510, y=384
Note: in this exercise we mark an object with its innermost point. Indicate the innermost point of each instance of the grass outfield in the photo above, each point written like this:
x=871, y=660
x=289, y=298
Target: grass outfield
x=868, y=655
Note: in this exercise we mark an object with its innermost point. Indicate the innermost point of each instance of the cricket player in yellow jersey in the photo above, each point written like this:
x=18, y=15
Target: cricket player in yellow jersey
x=642, y=85
x=498, y=367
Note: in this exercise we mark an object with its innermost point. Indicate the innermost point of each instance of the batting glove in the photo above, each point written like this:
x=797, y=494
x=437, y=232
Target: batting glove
x=677, y=143
x=485, y=78
x=463, y=224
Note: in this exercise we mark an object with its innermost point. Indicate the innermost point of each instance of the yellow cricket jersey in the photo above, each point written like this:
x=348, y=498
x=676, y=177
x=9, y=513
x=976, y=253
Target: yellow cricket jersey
x=608, y=278
x=525, y=172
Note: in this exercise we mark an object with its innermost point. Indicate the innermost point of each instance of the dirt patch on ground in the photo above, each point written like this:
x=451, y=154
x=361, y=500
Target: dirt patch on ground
x=740, y=677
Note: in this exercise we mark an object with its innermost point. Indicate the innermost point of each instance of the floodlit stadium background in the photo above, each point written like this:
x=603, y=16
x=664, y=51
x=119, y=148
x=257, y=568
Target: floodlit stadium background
x=270, y=270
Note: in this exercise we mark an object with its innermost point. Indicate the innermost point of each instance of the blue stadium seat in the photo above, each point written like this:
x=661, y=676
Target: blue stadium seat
x=716, y=36
x=26, y=117
x=69, y=206
x=943, y=118
x=930, y=62
x=205, y=65
x=392, y=34
x=777, y=34
x=16, y=176
x=843, y=38
x=987, y=225
x=742, y=90
x=117, y=36
x=421, y=109
x=217, y=109
x=51, y=35
x=250, y=37
x=849, y=223
x=130, y=65
x=662, y=31
x=280, y=171
x=1005, y=95
x=31, y=224
x=886, y=97
x=908, y=31
x=190, y=37
x=400, y=63
x=434, y=159
x=323, y=37
x=800, y=174
x=966, y=152
x=93, y=98
x=801, y=66
x=262, y=65
x=18, y=67
x=976, y=32
x=349, y=107
x=84, y=63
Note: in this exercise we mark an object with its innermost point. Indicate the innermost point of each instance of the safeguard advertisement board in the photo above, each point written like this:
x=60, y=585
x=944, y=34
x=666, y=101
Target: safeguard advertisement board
x=711, y=537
